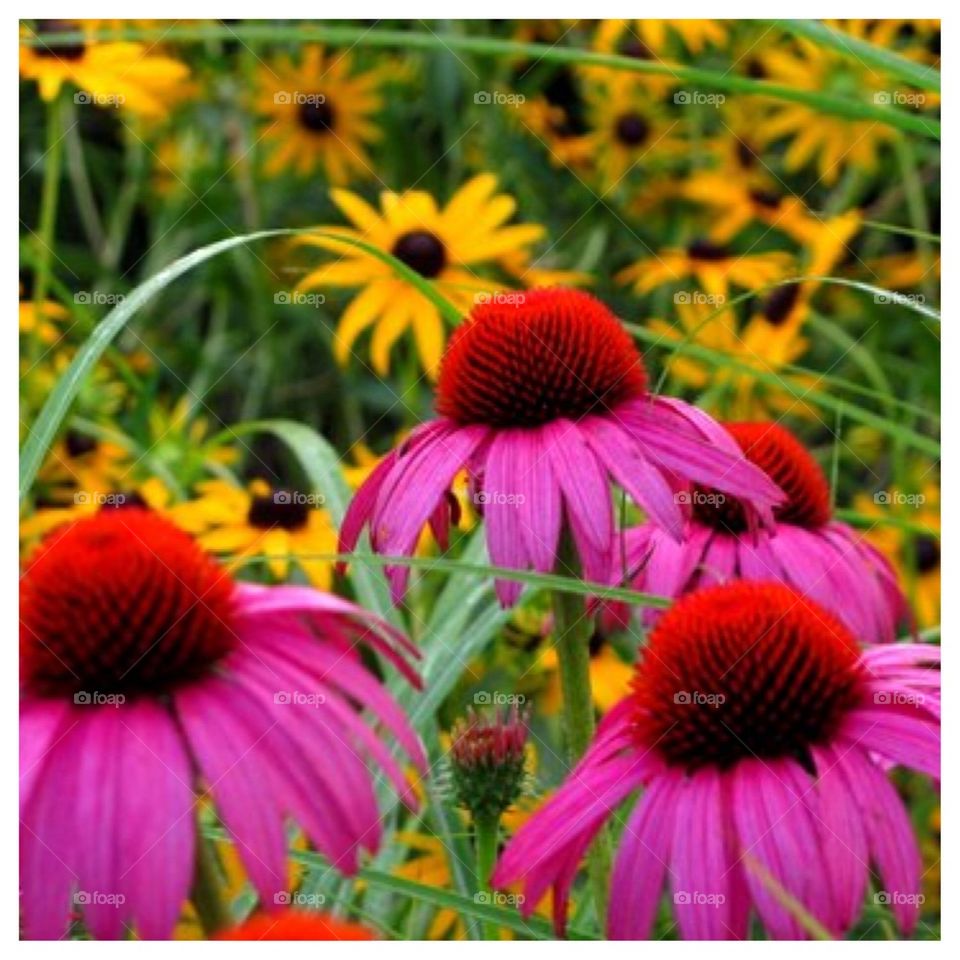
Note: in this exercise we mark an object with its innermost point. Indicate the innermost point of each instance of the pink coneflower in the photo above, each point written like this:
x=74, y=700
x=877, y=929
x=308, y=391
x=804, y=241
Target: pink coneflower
x=761, y=736
x=149, y=676
x=806, y=548
x=543, y=398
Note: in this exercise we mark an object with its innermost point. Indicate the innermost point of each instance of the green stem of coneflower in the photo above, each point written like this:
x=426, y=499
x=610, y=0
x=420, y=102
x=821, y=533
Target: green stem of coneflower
x=486, y=836
x=211, y=909
x=49, y=200
x=572, y=631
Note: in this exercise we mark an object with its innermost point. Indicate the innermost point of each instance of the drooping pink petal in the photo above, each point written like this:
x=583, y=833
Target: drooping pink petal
x=843, y=837
x=361, y=506
x=42, y=723
x=505, y=542
x=778, y=844
x=586, y=495
x=257, y=602
x=642, y=860
x=701, y=868
x=50, y=837
x=893, y=846
x=156, y=820
x=907, y=736
x=233, y=761
x=684, y=445
x=643, y=481
x=540, y=510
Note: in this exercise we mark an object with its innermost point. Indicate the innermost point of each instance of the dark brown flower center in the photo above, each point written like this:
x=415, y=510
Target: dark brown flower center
x=79, y=443
x=706, y=250
x=631, y=129
x=779, y=305
x=926, y=553
x=421, y=251
x=316, y=114
x=282, y=508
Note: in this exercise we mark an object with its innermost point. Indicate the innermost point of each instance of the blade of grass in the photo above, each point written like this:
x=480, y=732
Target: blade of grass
x=864, y=52
x=490, y=46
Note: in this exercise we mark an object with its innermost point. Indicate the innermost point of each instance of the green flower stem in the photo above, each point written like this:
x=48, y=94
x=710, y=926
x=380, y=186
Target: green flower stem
x=572, y=630
x=211, y=910
x=486, y=832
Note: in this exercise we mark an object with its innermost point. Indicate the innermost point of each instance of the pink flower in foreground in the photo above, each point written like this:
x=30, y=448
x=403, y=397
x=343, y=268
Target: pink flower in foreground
x=806, y=548
x=761, y=737
x=149, y=676
x=544, y=400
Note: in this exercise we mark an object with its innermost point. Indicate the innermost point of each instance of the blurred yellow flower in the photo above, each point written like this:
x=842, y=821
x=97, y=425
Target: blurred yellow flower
x=444, y=245
x=318, y=114
x=130, y=76
x=277, y=525
x=714, y=266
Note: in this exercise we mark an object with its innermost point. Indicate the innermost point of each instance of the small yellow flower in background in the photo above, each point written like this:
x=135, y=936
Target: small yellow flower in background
x=130, y=76
x=714, y=266
x=914, y=555
x=767, y=342
x=560, y=130
x=517, y=265
x=278, y=525
x=830, y=143
x=151, y=494
x=45, y=322
x=444, y=245
x=629, y=128
x=82, y=463
x=318, y=115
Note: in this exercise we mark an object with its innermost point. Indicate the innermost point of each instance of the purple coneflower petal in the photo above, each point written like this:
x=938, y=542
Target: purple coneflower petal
x=642, y=860
x=893, y=846
x=156, y=819
x=233, y=762
x=505, y=541
x=905, y=736
x=777, y=841
x=540, y=510
x=843, y=837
